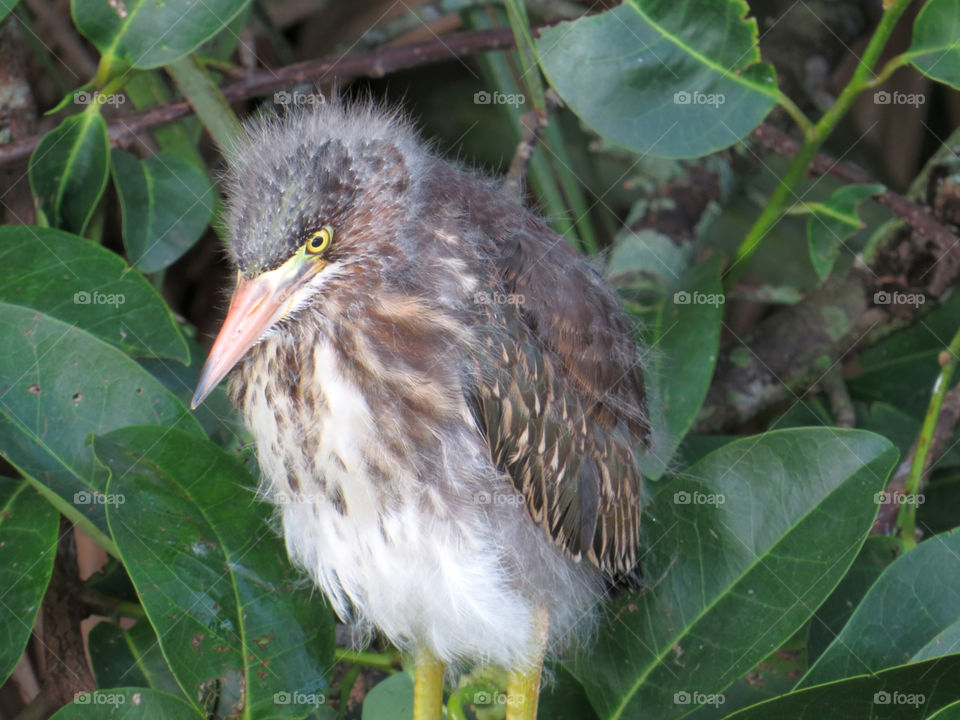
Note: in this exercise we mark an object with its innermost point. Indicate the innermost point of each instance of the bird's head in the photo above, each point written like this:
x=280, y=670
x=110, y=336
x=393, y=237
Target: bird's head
x=315, y=199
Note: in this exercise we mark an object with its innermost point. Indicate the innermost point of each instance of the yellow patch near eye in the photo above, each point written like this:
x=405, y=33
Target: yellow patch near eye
x=319, y=241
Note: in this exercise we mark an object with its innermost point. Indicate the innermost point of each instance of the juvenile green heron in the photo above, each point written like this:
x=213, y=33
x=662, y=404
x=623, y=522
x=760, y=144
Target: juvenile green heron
x=448, y=393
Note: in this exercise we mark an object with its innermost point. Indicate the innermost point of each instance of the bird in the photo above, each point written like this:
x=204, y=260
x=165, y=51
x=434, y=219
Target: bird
x=447, y=399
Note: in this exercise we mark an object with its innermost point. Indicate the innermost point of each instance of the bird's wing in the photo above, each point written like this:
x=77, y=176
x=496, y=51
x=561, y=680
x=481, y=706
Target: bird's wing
x=566, y=410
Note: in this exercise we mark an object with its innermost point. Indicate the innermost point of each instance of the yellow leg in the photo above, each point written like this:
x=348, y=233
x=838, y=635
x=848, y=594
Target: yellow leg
x=523, y=686
x=427, y=686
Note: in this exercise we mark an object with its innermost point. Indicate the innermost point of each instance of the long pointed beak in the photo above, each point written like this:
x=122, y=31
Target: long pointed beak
x=255, y=306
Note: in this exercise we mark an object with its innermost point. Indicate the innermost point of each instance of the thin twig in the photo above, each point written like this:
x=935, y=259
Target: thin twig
x=378, y=63
x=886, y=521
x=906, y=518
x=841, y=405
x=914, y=214
x=533, y=124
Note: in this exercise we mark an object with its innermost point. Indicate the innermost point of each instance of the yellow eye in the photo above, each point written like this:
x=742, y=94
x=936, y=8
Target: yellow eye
x=319, y=241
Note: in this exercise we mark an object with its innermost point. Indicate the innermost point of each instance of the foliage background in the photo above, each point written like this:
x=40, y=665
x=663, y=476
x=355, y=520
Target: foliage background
x=802, y=329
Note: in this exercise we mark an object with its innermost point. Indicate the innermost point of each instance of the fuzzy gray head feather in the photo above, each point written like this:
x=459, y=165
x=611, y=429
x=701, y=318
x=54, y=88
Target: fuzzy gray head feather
x=287, y=176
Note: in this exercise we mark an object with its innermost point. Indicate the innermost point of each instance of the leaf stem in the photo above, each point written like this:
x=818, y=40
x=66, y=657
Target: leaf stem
x=813, y=139
x=206, y=98
x=799, y=117
x=906, y=518
x=384, y=661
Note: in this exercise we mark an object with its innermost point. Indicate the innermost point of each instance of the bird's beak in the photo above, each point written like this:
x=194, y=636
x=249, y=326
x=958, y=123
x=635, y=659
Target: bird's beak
x=254, y=308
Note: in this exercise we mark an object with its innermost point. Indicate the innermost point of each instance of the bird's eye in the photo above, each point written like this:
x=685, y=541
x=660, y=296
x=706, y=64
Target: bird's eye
x=319, y=241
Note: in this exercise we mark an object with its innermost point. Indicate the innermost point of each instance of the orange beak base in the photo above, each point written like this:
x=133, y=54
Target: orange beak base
x=255, y=306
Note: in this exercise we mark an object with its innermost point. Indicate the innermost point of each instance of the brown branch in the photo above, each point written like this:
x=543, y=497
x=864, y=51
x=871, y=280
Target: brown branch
x=533, y=124
x=916, y=215
x=886, y=522
x=378, y=63
x=68, y=672
x=790, y=349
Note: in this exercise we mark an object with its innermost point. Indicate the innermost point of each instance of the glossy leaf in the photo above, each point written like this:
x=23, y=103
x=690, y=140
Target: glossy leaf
x=775, y=675
x=122, y=657
x=389, y=699
x=911, y=613
x=236, y=622
x=950, y=712
x=909, y=692
x=148, y=34
x=59, y=385
x=934, y=50
x=901, y=369
x=6, y=7
x=877, y=553
x=68, y=170
x=668, y=78
x=167, y=202
x=28, y=546
x=84, y=284
x=741, y=550
x=833, y=222
x=684, y=344
x=131, y=703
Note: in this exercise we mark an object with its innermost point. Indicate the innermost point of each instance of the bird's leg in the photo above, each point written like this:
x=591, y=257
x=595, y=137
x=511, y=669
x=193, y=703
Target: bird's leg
x=427, y=686
x=523, y=686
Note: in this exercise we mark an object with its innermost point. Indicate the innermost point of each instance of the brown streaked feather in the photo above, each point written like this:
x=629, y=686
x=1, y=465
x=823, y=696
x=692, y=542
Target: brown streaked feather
x=566, y=410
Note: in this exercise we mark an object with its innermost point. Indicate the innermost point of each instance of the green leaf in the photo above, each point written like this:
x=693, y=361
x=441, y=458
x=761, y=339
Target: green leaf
x=123, y=657
x=6, y=7
x=833, y=222
x=131, y=703
x=935, y=51
x=147, y=33
x=673, y=79
x=950, y=712
x=901, y=369
x=775, y=675
x=83, y=284
x=205, y=98
x=909, y=692
x=235, y=621
x=877, y=553
x=684, y=342
x=59, y=384
x=167, y=202
x=740, y=552
x=68, y=170
x=911, y=613
x=389, y=699
x=28, y=546
x=563, y=698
